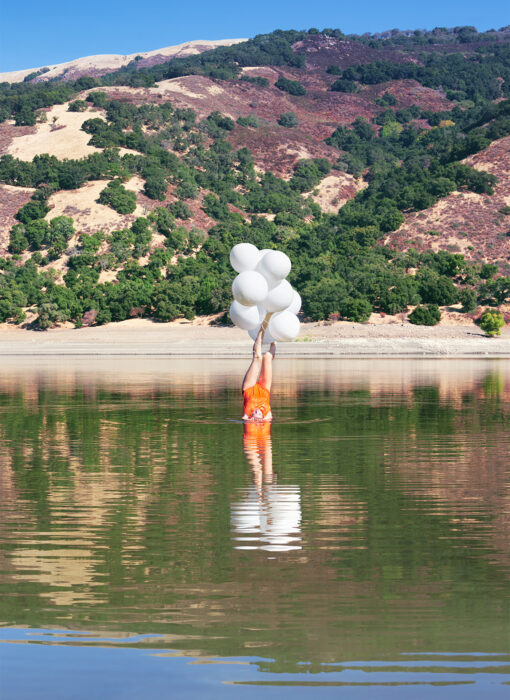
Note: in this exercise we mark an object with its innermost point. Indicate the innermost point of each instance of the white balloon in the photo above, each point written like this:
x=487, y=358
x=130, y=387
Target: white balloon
x=244, y=256
x=271, y=281
x=279, y=297
x=284, y=326
x=249, y=288
x=268, y=338
x=274, y=265
x=262, y=312
x=245, y=317
x=295, y=304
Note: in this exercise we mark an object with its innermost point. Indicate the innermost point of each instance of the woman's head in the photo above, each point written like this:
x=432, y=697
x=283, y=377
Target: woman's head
x=257, y=415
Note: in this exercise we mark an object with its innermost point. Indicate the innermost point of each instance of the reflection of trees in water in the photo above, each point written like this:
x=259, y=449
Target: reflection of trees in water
x=400, y=491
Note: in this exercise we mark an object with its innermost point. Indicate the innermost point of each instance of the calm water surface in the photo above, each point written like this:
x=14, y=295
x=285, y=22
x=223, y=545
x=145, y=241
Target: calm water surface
x=152, y=547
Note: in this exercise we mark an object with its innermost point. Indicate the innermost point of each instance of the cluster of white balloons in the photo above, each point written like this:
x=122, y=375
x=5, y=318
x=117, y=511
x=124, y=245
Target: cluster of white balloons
x=261, y=288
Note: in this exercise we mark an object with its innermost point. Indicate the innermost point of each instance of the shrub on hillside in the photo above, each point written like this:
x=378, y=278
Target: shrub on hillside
x=488, y=271
x=31, y=211
x=425, y=315
x=256, y=80
x=386, y=100
x=216, y=123
x=292, y=87
x=250, y=120
x=288, y=120
x=11, y=303
x=179, y=210
x=77, y=106
x=186, y=190
x=356, y=310
x=49, y=315
x=216, y=207
x=492, y=321
x=98, y=99
x=18, y=242
x=468, y=299
x=342, y=85
x=155, y=187
x=39, y=232
x=25, y=117
x=117, y=197
x=436, y=289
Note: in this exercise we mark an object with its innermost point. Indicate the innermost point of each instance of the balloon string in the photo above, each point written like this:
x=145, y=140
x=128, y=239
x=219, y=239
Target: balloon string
x=266, y=320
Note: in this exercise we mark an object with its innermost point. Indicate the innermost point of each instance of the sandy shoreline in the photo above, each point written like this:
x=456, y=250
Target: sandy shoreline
x=140, y=337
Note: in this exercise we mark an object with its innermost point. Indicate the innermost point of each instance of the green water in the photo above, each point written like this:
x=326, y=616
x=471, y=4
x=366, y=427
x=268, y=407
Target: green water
x=148, y=545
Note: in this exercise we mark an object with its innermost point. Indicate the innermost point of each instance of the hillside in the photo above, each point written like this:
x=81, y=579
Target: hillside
x=106, y=63
x=475, y=225
x=379, y=163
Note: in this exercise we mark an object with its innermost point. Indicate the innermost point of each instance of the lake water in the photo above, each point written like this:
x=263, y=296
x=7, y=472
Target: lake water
x=151, y=547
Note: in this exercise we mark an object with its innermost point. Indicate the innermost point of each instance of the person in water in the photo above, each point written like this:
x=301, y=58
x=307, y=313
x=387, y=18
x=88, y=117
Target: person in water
x=257, y=380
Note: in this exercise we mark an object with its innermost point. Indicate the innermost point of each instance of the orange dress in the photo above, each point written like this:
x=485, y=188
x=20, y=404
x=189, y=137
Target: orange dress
x=257, y=436
x=256, y=397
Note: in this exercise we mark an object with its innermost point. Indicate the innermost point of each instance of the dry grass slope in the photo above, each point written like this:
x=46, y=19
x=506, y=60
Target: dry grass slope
x=466, y=222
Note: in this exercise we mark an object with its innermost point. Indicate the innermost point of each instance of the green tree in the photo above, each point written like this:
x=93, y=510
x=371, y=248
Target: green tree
x=492, y=321
x=249, y=120
x=77, y=106
x=49, y=315
x=12, y=299
x=468, y=299
x=117, y=197
x=186, y=190
x=436, y=289
x=293, y=87
x=155, y=187
x=428, y=315
x=488, y=270
x=32, y=210
x=60, y=231
x=386, y=100
x=98, y=98
x=356, y=310
x=18, y=241
x=342, y=85
x=324, y=297
x=391, y=129
x=179, y=210
x=25, y=117
x=164, y=221
x=288, y=120
x=37, y=233
x=256, y=80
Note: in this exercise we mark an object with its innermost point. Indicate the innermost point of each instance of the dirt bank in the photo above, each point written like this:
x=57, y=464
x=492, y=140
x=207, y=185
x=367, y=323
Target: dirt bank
x=194, y=339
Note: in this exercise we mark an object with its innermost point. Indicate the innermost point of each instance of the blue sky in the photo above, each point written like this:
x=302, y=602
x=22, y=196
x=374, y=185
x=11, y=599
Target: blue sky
x=39, y=33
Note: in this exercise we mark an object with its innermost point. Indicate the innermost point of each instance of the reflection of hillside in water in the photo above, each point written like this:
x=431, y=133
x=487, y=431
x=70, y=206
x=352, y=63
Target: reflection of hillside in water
x=114, y=500
x=135, y=376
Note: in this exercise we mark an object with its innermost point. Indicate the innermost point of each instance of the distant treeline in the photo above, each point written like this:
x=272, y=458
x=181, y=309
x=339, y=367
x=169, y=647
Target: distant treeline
x=480, y=77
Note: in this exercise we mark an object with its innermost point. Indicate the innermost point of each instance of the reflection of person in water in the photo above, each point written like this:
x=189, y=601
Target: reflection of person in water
x=257, y=380
x=268, y=516
x=259, y=451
